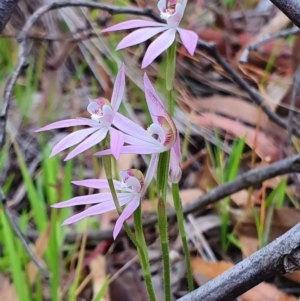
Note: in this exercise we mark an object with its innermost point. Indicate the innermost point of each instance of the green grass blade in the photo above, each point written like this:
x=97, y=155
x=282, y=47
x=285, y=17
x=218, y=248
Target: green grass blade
x=14, y=260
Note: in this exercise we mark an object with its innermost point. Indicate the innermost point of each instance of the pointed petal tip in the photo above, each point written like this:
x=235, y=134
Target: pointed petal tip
x=52, y=154
x=76, y=182
x=68, y=158
x=119, y=47
x=116, y=232
x=144, y=64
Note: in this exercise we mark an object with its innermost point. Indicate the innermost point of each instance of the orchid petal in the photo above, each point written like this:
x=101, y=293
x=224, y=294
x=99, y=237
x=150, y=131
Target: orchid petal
x=139, y=36
x=133, y=24
x=154, y=103
x=129, y=127
x=65, y=124
x=116, y=142
x=189, y=39
x=161, y=5
x=183, y=3
x=158, y=46
x=150, y=171
x=87, y=143
x=98, y=184
x=154, y=108
x=135, y=149
x=85, y=200
x=89, y=122
x=71, y=139
x=118, y=90
x=138, y=141
x=174, y=20
x=97, y=209
x=127, y=212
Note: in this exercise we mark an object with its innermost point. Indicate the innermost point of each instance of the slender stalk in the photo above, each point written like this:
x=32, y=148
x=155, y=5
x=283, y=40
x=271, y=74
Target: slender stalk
x=108, y=172
x=138, y=226
x=162, y=183
x=180, y=221
x=163, y=232
x=138, y=241
x=170, y=74
x=162, y=178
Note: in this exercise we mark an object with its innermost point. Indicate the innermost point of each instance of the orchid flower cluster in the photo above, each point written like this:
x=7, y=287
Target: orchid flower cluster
x=172, y=12
x=126, y=137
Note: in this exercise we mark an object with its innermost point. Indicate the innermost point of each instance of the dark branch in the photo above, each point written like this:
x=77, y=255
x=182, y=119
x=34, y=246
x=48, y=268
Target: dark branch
x=291, y=8
x=213, y=52
x=279, y=257
x=210, y=48
x=24, y=49
x=267, y=38
x=247, y=179
x=6, y=9
x=250, y=178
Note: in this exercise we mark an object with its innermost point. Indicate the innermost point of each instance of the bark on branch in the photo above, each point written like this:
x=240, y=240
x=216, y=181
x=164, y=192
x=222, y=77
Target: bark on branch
x=248, y=179
x=6, y=9
x=279, y=257
x=291, y=8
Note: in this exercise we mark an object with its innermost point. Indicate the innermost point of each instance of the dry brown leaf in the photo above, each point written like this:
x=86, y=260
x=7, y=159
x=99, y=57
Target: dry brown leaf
x=295, y=276
x=249, y=245
x=205, y=178
x=265, y=146
x=240, y=198
x=39, y=250
x=98, y=274
x=7, y=290
x=283, y=220
x=276, y=90
x=205, y=271
x=189, y=195
x=229, y=106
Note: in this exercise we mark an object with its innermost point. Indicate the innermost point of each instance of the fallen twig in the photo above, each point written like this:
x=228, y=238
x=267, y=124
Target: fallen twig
x=6, y=9
x=210, y=48
x=248, y=179
x=267, y=38
x=291, y=8
x=213, y=52
x=279, y=257
x=24, y=49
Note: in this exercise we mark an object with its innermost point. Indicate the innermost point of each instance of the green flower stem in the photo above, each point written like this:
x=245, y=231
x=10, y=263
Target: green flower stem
x=180, y=221
x=108, y=172
x=170, y=74
x=138, y=226
x=138, y=241
x=162, y=184
x=171, y=64
x=163, y=233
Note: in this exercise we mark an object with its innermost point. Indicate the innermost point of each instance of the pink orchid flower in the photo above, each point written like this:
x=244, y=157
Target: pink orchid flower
x=141, y=141
x=133, y=187
x=171, y=11
x=102, y=116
